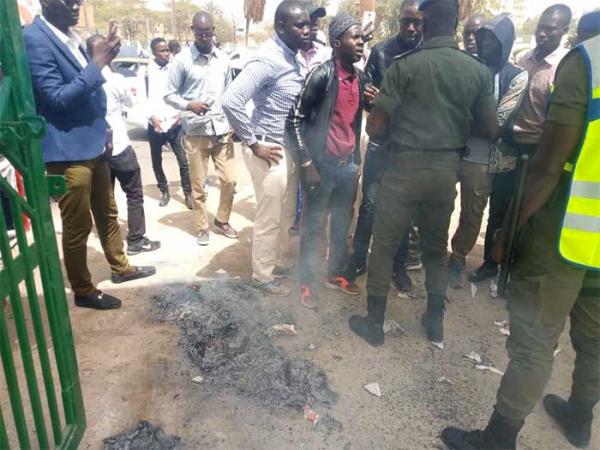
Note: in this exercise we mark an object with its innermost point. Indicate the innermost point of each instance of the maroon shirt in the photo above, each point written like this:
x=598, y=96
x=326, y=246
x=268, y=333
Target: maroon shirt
x=341, y=140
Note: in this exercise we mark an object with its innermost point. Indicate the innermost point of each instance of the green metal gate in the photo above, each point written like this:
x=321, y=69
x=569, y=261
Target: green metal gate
x=25, y=323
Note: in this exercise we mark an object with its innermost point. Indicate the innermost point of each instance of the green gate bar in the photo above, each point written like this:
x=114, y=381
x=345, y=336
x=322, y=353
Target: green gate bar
x=20, y=134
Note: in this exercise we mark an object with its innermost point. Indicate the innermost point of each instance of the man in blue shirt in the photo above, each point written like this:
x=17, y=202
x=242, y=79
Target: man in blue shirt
x=67, y=85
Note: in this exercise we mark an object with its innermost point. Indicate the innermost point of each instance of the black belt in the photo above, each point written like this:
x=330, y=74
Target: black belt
x=265, y=138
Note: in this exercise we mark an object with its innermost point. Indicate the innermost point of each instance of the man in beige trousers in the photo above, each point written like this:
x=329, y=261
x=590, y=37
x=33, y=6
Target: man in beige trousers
x=197, y=81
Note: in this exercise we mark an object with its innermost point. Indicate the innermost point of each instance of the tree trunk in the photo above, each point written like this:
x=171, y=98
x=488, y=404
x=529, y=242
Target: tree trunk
x=247, y=28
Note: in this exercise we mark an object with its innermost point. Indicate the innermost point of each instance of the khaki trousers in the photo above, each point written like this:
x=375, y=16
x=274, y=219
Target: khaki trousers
x=475, y=188
x=199, y=150
x=545, y=291
x=275, y=188
x=89, y=188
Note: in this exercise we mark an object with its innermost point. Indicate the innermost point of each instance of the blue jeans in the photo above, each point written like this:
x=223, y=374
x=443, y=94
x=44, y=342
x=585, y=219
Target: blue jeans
x=372, y=171
x=336, y=192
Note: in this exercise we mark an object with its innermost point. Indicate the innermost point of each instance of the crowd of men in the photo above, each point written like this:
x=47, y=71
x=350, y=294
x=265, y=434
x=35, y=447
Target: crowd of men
x=436, y=116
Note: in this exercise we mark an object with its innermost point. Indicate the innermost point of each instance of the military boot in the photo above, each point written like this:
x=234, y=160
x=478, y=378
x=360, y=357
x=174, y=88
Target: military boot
x=575, y=418
x=433, y=318
x=500, y=434
x=370, y=328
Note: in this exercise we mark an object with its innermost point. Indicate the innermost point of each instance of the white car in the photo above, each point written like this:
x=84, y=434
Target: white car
x=135, y=72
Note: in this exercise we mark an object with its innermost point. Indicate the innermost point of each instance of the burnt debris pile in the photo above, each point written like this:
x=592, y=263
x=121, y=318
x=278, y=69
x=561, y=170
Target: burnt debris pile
x=225, y=332
x=144, y=436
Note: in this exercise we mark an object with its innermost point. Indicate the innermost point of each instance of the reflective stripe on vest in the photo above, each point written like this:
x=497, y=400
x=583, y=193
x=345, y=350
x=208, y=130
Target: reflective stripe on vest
x=579, y=242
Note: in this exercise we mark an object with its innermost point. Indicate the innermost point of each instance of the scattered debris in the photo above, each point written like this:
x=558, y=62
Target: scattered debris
x=330, y=424
x=373, y=388
x=501, y=323
x=473, y=290
x=409, y=295
x=393, y=328
x=439, y=345
x=144, y=436
x=504, y=331
x=199, y=379
x=311, y=347
x=446, y=380
x=474, y=356
x=557, y=350
x=310, y=415
x=223, y=333
x=493, y=289
x=221, y=272
x=282, y=328
x=490, y=368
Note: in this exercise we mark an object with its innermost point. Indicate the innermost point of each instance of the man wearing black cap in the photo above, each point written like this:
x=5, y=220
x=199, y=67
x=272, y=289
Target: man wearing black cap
x=325, y=130
x=316, y=52
x=424, y=107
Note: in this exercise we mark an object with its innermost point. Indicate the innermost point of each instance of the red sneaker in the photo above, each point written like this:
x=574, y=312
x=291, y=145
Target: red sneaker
x=343, y=284
x=308, y=297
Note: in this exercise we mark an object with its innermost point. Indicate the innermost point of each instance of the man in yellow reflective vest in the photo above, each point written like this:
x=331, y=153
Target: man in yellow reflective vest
x=556, y=273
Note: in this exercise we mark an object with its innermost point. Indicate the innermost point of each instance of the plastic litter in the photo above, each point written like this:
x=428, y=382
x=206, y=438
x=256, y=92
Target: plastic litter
x=282, y=328
x=493, y=289
x=557, y=350
x=439, y=345
x=310, y=415
x=504, y=331
x=474, y=356
x=473, y=290
x=446, y=380
x=490, y=368
x=199, y=379
x=373, y=388
x=393, y=328
x=501, y=323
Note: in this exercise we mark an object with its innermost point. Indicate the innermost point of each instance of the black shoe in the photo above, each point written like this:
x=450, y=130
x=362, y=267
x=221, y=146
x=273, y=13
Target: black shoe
x=136, y=273
x=353, y=271
x=500, y=434
x=402, y=281
x=433, y=319
x=226, y=229
x=164, y=198
x=370, y=328
x=575, y=421
x=455, y=271
x=483, y=273
x=143, y=245
x=188, y=199
x=98, y=300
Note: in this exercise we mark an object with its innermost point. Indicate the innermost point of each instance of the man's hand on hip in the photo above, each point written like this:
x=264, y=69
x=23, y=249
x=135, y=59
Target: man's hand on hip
x=271, y=154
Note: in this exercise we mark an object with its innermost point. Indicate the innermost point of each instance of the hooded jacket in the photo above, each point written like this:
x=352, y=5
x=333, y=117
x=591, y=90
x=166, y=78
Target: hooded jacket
x=511, y=81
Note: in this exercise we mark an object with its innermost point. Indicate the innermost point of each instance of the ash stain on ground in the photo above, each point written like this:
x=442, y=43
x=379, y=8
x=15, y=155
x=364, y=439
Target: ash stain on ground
x=224, y=333
x=144, y=436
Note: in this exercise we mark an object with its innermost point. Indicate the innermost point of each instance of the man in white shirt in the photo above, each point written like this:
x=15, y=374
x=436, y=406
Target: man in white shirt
x=317, y=51
x=164, y=124
x=123, y=162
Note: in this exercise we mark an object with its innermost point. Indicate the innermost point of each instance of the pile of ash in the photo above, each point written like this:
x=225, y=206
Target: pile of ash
x=225, y=332
x=144, y=436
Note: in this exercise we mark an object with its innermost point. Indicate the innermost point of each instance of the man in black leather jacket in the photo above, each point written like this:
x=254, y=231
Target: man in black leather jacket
x=325, y=128
x=380, y=59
